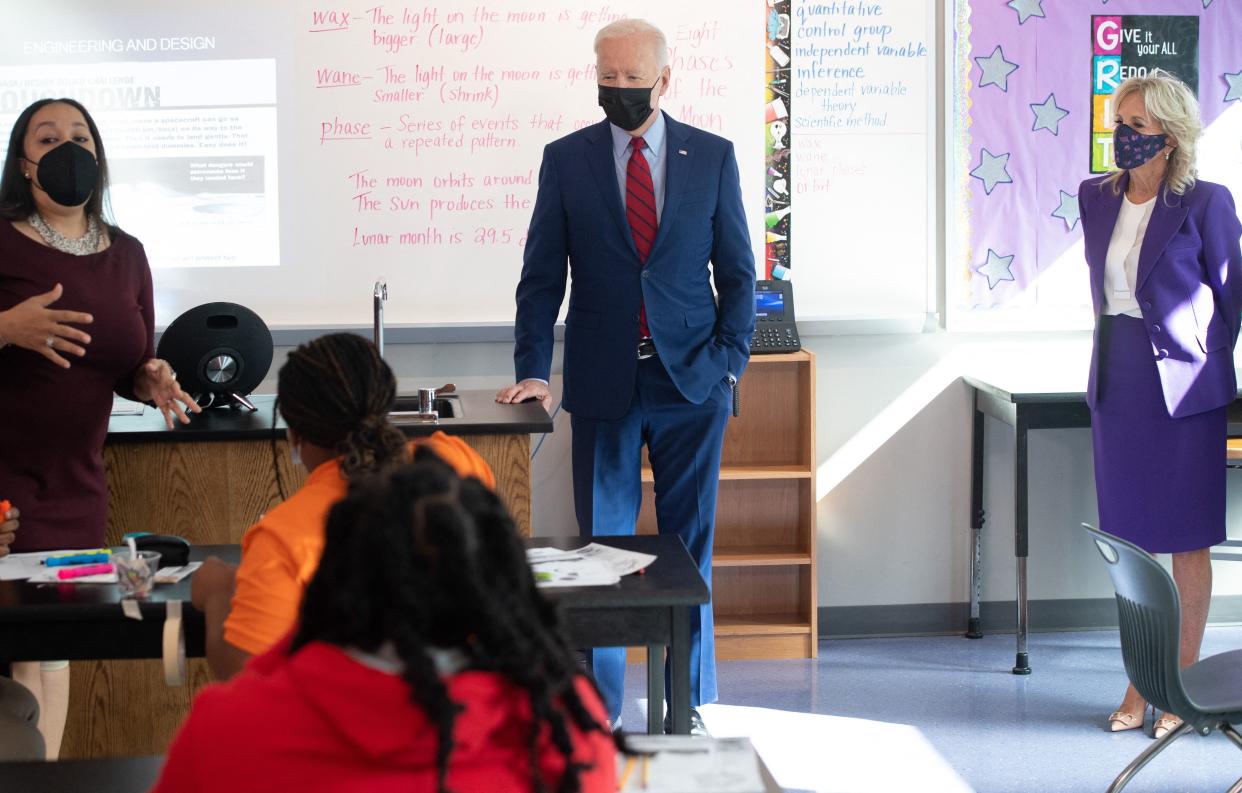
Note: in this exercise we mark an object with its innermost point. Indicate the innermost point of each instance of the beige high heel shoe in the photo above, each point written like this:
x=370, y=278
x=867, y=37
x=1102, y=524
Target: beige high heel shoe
x=1120, y=720
x=1164, y=725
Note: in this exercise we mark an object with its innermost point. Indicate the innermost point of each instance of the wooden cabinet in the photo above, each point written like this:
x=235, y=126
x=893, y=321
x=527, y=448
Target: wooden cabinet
x=763, y=568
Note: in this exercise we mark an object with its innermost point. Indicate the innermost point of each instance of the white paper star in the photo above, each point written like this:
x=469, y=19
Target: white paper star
x=1048, y=115
x=1068, y=211
x=1034, y=8
x=1235, y=86
x=994, y=69
x=991, y=169
x=996, y=268
x=1207, y=3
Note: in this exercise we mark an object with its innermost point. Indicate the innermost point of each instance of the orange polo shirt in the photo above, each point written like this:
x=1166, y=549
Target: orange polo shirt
x=281, y=552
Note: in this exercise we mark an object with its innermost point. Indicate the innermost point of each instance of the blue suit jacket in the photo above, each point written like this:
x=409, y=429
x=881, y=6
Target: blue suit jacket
x=579, y=230
x=1188, y=286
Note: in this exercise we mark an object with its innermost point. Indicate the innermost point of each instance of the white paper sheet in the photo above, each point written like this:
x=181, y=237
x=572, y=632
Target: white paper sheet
x=685, y=764
x=573, y=571
x=126, y=407
x=21, y=566
x=591, y=565
x=621, y=562
x=48, y=576
x=548, y=554
x=171, y=575
x=165, y=575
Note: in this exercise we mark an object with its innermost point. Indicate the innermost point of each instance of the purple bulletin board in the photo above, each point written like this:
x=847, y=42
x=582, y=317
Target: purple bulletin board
x=1031, y=116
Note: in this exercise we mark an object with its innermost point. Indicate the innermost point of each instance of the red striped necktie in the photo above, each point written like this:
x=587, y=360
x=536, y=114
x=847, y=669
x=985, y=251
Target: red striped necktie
x=640, y=210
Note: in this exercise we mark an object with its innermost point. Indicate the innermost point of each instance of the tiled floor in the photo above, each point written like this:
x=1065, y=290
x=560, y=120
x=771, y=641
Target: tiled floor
x=945, y=714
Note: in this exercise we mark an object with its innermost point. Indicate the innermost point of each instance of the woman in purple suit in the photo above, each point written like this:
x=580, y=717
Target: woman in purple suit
x=1162, y=249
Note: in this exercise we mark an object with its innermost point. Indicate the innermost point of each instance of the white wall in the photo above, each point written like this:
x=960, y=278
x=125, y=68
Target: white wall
x=893, y=441
x=896, y=529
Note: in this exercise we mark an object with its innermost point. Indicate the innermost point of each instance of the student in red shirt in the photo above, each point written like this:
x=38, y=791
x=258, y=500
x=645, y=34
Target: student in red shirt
x=424, y=660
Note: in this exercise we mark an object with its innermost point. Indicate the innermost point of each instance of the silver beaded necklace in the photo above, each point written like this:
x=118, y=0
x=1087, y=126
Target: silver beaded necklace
x=86, y=244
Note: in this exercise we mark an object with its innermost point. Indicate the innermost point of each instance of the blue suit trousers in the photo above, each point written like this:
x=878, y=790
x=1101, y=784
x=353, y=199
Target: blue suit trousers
x=683, y=442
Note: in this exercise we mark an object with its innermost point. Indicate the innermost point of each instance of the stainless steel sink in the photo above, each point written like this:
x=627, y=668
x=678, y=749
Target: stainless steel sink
x=448, y=406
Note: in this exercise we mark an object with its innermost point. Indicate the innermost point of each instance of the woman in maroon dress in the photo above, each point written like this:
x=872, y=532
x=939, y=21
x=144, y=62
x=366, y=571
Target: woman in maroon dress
x=59, y=368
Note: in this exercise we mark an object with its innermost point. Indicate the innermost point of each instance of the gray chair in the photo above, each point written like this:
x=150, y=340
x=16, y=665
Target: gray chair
x=1206, y=695
x=20, y=738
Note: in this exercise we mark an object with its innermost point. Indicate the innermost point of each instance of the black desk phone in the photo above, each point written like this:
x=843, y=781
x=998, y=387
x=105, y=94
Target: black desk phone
x=775, y=330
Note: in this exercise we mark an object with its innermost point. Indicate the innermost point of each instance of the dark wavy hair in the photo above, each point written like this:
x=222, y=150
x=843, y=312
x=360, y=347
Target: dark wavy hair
x=419, y=558
x=16, y=195
x=336, y=392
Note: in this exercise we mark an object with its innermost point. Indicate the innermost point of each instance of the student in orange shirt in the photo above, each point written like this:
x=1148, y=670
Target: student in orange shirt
x=334, y=394
x=424, y=660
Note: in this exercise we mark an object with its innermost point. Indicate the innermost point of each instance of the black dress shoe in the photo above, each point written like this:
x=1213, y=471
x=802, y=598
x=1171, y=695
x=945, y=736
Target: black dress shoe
x=697, y=727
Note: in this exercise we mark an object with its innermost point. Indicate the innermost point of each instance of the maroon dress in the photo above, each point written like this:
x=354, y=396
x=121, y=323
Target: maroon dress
x=52, y=420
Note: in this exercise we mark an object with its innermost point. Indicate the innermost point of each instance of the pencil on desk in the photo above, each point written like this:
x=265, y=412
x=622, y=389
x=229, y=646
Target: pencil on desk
x=646, y=765
x=625, y=774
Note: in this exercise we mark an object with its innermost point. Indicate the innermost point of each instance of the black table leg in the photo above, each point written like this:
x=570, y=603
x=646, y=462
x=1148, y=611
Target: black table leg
x=973, y=628
x=679, y=670
x=1022, y=665
x=655, y=689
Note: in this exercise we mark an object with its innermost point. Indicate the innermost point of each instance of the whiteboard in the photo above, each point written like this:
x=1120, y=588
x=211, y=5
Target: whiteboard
x=285, y=155
x=862, y=157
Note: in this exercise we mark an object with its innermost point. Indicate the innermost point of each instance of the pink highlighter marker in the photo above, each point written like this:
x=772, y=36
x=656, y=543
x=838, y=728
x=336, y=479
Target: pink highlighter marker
x=90, y=569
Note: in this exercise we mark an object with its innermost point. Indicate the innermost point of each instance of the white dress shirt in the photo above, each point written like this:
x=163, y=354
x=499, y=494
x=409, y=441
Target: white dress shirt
x=1121, y=263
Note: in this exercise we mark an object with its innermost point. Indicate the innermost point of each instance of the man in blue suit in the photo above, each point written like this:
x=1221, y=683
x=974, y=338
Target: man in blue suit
x=634, y=209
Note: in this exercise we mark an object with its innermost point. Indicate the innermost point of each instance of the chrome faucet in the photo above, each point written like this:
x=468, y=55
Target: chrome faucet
x=378, y=296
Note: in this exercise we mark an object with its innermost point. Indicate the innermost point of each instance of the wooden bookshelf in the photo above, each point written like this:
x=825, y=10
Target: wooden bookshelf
x=763, y=559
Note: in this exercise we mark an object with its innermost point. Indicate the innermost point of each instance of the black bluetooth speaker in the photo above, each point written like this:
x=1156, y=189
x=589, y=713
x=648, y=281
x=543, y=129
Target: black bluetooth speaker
x=220, y=352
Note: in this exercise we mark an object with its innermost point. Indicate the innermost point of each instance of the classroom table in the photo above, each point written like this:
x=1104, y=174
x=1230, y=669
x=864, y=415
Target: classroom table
x=651, y=609
x=103, y=775
x=85, y=622
x=1032, y=398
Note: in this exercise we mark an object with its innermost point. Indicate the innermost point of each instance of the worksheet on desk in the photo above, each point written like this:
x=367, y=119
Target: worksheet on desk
x=587, y=560
x=29, y=566
x=21, y=566
x=571, y=571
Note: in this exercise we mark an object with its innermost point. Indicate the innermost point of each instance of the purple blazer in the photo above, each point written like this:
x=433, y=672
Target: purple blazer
x=1189, y=288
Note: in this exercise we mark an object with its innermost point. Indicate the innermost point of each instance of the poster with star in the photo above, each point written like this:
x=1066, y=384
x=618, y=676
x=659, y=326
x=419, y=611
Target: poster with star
x=1026, y=120
x=1133, y=46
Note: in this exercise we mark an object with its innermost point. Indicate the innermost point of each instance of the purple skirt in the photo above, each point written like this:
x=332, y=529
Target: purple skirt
x=1160, y=481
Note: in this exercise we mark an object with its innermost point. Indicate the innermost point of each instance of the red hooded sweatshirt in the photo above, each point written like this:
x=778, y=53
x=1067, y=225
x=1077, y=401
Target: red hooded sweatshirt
x=321, y=721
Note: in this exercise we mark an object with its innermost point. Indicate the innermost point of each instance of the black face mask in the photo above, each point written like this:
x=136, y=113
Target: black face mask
x=628, y=108
x=67, y=174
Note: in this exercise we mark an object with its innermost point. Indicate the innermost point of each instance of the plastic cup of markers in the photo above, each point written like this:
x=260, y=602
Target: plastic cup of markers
x=135, y=576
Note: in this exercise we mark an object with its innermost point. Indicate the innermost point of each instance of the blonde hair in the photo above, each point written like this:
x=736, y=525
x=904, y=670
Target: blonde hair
x=624, y=28
x=1173, y=104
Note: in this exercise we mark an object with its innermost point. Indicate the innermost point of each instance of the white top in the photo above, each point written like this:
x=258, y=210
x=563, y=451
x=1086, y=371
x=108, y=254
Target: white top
x=1121, y=263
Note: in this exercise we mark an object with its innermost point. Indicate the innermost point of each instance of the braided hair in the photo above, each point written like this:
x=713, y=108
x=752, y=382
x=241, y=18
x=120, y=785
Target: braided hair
x=336, y=392
x=421, y=559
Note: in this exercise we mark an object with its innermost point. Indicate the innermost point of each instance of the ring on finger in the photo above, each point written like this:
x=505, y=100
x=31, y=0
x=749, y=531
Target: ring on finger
x=50, y=341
